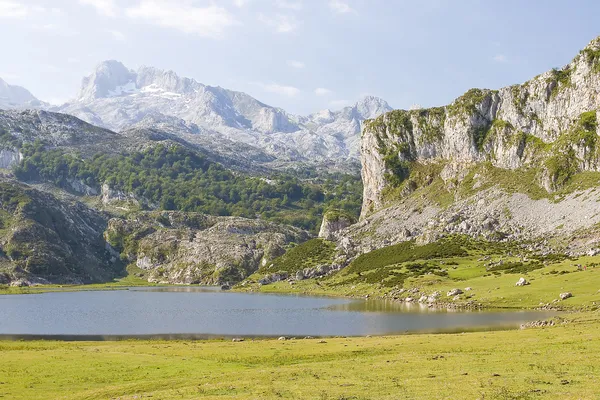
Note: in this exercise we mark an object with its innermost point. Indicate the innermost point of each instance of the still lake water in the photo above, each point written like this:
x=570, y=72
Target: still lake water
x=205, y=312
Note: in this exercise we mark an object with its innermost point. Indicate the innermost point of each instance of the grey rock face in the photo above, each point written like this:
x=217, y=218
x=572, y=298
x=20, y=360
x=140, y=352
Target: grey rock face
x=9, y=158
x=334, y=222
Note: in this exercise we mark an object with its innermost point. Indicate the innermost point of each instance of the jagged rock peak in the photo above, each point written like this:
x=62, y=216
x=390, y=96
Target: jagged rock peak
x=108, y=79
x=165, y=79
x=371, y=107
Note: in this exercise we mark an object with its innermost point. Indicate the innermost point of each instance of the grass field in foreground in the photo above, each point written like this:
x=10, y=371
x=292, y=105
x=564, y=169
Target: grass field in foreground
x=544, y=363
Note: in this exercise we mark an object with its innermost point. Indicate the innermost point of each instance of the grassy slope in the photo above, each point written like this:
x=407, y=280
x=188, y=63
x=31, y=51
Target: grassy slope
x=490, y=289
x=546, y=363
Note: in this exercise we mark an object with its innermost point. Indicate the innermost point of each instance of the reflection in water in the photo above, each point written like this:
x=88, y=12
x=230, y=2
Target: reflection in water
x=385, y=306
x=196, y=312
x=176, y=289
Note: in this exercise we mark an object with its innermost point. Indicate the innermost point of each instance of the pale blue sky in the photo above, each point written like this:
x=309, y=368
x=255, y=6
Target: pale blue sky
x=301, y=55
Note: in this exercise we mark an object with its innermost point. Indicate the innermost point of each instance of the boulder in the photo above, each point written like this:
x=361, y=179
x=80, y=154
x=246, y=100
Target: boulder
x=454, y=292
x=522, y=282
x=565, y=295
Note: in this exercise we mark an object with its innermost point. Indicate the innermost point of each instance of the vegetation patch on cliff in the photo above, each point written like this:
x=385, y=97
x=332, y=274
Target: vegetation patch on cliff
x=593, y=58
x=306, y=255
x=468, y=104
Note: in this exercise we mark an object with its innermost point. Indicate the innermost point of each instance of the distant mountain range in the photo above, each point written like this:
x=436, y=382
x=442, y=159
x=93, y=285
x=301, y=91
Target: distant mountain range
x=119, y=99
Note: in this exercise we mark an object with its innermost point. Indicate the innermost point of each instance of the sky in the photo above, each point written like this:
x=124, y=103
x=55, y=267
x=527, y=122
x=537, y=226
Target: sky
x=300, y=55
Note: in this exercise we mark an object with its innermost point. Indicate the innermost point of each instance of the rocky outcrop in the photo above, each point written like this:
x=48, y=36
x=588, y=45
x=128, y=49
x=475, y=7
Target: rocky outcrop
x=9, y=158
x=47, y=240
x=190, y=248
x=548, y=123
x=333, y=222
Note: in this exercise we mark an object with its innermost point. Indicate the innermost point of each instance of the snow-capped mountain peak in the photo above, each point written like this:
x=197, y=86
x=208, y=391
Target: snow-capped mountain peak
x=116, y=97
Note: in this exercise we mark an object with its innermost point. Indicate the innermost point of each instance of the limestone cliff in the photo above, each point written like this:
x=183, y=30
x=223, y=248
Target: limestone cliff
x=519, y=163
x=548, y=123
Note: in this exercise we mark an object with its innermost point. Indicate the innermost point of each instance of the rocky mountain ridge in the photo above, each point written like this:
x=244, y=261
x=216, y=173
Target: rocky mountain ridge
x=117, y=98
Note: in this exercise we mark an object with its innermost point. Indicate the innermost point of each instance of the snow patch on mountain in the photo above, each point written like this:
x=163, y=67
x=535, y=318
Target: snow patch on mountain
x=117, y=98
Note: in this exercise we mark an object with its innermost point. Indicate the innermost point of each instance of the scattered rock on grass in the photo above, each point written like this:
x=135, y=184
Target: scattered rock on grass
x=566, y=295
x=522, y=282
x=454, y=292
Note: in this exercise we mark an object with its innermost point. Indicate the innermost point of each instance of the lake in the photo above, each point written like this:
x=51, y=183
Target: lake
x=194, y=312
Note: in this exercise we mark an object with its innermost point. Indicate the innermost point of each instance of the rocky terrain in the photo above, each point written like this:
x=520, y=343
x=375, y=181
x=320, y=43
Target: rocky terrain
x=192, y=248
x=118, y=98
x=44, y=239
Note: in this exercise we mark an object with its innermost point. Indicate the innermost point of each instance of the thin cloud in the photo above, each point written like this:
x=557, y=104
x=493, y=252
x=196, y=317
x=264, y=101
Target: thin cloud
x=322, y=91
x=9, y=75
x=12, y=9
x=289, y=5
x=116, y=35
x=341, y=7
x=104, y=7
x=296, y=64
x=284, y=90
x=280, y=23
x=500, y=58
x=56, y=101
x=211, y=21
x=240, y=3
x=339, y=103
